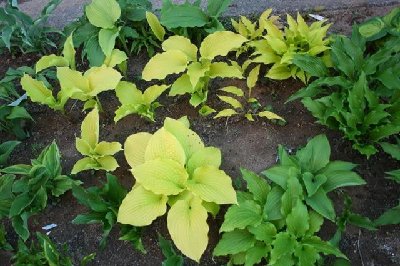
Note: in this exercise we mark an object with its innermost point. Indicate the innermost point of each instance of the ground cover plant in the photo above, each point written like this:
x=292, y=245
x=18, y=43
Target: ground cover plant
x=150, y=204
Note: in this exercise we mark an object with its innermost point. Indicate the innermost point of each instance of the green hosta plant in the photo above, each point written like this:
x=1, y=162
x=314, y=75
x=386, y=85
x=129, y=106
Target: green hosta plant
x=190, y=20
x=103, y=203
x=311, y=170
x=359, y=95
x=379, y=27
x=6, y=194
x=74, y=85
x=40, y=252
x=125, y=24
x=99, y=155
x=238, y=96
x=173, y=167
x=37, y=182
x=272, y=224
x=278, y=47
x=134, y=101
x=6, y=149
x=20, y=33
x=180, y=56
x=171, y=258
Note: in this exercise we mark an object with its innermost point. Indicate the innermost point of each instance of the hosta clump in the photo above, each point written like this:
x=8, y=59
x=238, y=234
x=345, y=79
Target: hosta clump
x=98, y=155
x=258, y=228
x=359, y=95
x=180, y=56
x=279, y=47
x=310, y=175
x=173, y=167
x=28, y=195
x=134, y=101
x=103, y=203
x=379, y=27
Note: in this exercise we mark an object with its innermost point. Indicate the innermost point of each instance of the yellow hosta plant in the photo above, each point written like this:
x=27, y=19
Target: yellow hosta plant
x=73, y=85
x=173, y=167
x=134, y=101
x=99, y=155
x=278, y=47
x=180, y=56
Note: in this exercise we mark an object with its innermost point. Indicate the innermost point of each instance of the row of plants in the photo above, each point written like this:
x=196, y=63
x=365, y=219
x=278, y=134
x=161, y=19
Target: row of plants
x=279, y=216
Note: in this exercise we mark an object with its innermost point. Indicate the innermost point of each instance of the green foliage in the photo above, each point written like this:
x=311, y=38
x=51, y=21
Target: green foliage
x=4, y=245
x=103, y=203
x=189, y=19
x=28, y=195
x=114, y=23
x=6, y=149
x=171, y=258
x=173, y=167
x=44, y=252
x=98, y=155
x=360, y=96
x=21, y=33
x=180, y=56
x=274, y=224
x=271, y=45
x=133, y=101
x=310, y=175
x=241, y=103
x=380, y=27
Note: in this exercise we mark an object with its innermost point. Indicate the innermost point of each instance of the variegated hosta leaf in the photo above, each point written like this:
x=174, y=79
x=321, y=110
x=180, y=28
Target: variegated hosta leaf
x=164, y=64
x=135, y=148
x=226, y=113
x=190, y=141
x=208, y=156
x=161, y=176
x=187, y=225
x=155, y=25
x=220, y=43
x=141, y=207
x=212, y=185
x=270, y=115
x=182, y=44
x=165, y=145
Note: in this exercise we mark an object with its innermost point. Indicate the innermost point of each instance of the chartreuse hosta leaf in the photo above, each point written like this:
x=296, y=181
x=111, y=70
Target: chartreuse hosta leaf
x=103, y=13
x=252, y=236
x=98, y=155
x=172, y=166
x=134, y=101
x=278, y=47
x=180, y=56
x=66, y=60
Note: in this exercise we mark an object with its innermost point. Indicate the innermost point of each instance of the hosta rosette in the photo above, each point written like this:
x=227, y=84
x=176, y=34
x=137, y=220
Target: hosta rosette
x=172, y=166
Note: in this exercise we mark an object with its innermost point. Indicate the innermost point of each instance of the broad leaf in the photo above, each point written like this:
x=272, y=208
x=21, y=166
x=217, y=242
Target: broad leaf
x=247, y=213
x=135, y=148
x=103, y=13
x=220, y=43
x=164, y=64
x=234, y=242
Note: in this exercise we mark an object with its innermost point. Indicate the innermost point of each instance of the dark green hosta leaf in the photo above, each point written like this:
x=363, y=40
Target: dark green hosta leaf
x=392, y=149
x=356, y=98
x=315, y=155
x=313, y=183
x=283, y=246
x=256, y=185
x=293, y=193
x=298, y=220
x=322, y=204
x=114, y=190
x=90, y=200
x=322, y=246
x=20, y=225
x=133, y=236
x=242, y=215
x=272, y=208
x=5, y=150
x=311, y=64
x=171, y=258
x=265, y=232
x=234, y=242
x=255, y=254
x=184, y=15
x=391, y=216
x=216, y=7
x=306, y=254
x=394, y=175
x=361, y=221
x=93, y=52
x=341, y=60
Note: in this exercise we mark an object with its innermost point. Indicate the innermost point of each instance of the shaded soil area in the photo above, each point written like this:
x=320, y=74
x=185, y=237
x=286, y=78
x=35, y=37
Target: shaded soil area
x=251, y=145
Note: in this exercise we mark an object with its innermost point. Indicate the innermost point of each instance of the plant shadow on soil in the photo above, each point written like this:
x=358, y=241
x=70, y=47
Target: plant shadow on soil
x=252, y=145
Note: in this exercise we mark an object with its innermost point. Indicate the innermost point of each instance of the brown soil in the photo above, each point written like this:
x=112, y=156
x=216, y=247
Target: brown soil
x=243, y=144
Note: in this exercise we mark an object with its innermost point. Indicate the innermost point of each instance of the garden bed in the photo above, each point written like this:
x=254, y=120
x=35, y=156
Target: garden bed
x=252, y=145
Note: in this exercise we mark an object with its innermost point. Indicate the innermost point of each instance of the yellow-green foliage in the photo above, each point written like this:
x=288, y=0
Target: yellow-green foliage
x=99, y=155
x=134, y=101
x=180, y=56
x=278, y=47
x=173, y=167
